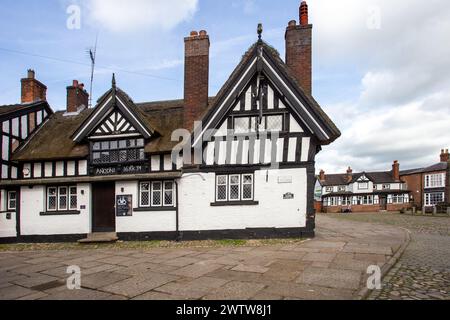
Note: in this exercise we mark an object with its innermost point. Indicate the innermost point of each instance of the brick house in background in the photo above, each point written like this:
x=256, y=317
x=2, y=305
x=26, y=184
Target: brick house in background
x=363, y=192
x=429, y=186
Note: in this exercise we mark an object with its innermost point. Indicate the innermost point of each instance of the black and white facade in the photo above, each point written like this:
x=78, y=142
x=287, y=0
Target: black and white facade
x=120, y=166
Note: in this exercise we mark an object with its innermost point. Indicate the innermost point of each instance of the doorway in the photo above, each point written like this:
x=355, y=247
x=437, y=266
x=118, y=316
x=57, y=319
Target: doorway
x=103, y=207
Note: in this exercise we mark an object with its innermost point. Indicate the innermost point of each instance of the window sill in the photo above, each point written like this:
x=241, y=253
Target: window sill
x=153, y=209
x=60, y=213
x=234, y=203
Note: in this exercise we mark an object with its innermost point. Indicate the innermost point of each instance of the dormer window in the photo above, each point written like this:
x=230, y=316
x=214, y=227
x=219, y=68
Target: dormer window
x=118, y=151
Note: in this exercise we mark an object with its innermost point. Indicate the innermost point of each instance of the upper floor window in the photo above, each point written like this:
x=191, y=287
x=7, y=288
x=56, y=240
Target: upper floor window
x=435, y=180
x=118, y=151
x=386, y=186
x=341, y=188
x=269, y=123
x=329, y=189
x=363, y=185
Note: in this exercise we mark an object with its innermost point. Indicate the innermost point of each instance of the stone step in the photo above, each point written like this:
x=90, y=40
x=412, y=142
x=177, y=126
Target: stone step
x=100, y=237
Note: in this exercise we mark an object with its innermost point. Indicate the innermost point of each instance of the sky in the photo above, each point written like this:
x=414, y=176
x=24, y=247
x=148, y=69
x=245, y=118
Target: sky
x=380, y=67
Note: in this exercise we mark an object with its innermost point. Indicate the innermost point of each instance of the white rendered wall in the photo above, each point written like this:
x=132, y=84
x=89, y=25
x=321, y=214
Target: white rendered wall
x=33, y=202
x=143, y=221
x=196, y=196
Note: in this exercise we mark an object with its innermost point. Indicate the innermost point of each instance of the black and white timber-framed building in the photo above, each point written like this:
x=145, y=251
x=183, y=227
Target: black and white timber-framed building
x=113, y=168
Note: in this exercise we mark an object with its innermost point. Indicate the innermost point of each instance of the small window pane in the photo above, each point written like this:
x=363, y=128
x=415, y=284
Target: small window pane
x=105, y=145
x=222, y=193
x=222, y=180
x=122, y=144
x=140, y=142
x=241, y=125
x=96, y=146
x=114, y=145
x=274, y=123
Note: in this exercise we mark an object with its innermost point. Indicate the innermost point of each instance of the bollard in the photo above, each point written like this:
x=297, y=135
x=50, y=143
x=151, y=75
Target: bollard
x=434, y=210
x=414, y=211
x=448, y=211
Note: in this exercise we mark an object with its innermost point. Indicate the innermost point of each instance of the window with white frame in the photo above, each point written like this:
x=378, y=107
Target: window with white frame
x=62, y=198
x=157, y=194
x=435, y=180
x=432, y=199
x=363, y=185
x=235, y=187
x=12, y=200
x=398, y=198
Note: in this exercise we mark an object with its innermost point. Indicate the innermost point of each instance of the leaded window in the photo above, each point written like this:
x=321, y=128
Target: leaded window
x=62, y=198
x=12, y=200
x=118, y=151
x=157, y=194
x=235, y=187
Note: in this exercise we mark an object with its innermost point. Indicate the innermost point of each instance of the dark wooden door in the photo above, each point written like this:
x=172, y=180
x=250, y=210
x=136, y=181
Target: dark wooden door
x=383, y=202
x=103, y=201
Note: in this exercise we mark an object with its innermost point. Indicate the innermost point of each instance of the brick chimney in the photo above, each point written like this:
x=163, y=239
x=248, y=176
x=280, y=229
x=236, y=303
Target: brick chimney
x=445, y=155
x=299, y=49
x=196, y=77
x=32, y=89
x=349, y=174
x=77, y=97
x=396, y=171
x=322, y=175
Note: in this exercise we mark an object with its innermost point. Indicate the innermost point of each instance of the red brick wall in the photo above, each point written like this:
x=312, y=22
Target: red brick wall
x=33, y=91
x=299, y=54
x=367, y=208
x=415, y=184
x=196, y=77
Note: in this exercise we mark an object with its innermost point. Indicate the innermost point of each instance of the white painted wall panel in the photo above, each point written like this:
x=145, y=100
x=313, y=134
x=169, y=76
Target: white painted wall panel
x=5, y=148
x=24, y=126
x=48, y=169
x=59, y=169
x=168, y=162
x=71, y=168
x=37, y=170
x=294, y=126
x=270, y=98
x=196, y=196
x=223, y=153
x=6, y=127
x=15, y=127
x=156, y=163
x=82, y=167
x=292, y=149
x=32, y=223
x=150, y=221
x=248, y=99
x=305, y=149
x=209, y=154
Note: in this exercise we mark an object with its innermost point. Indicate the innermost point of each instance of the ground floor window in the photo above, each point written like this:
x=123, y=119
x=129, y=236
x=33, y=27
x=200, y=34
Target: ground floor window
x=62, y=198
x=432, y=199
x=362, y=200
x=234, y=187
x=398, y=199
x=157, y=194
x=12, y=200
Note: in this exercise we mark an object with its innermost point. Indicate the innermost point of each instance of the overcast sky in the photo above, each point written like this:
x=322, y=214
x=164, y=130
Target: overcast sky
x=381, y=68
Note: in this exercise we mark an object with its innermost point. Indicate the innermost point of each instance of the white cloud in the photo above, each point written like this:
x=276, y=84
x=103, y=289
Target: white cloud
x=133, y=15
x=402, y=110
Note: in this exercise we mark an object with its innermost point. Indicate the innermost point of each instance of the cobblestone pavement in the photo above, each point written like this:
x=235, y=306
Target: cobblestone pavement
x=331, y=266
x=423, y=272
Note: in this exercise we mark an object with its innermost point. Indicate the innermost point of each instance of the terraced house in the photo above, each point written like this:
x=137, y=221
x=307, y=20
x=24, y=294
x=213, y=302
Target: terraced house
x=117, y=167
x=364, y=191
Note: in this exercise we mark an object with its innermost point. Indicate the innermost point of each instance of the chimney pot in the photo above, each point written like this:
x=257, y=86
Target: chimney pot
x=203, y=33
x=304, y=14
x=292, y=23
x=31, y=74
x=445, y=156
x=322, y=175
x=194, y=33
x=75, y=83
